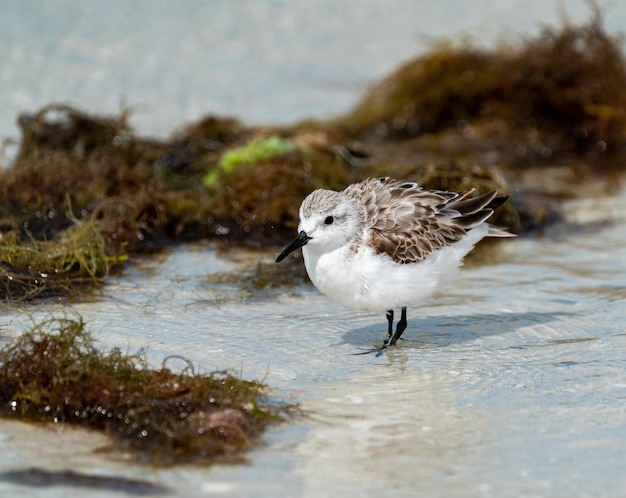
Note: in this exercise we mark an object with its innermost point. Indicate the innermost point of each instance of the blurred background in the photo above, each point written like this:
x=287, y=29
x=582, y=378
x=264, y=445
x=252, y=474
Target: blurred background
x=271, y=61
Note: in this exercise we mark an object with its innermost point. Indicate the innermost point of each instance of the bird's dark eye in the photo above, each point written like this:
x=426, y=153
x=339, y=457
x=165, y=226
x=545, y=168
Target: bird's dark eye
x=329, y=220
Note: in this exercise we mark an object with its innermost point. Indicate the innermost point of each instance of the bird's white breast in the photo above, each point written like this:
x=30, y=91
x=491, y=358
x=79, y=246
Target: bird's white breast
x=365, y=280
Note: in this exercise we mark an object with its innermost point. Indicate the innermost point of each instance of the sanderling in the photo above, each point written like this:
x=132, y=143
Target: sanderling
x=382, y=244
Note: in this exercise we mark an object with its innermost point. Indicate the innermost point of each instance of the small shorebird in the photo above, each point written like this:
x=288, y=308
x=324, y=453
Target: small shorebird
x=383, y=244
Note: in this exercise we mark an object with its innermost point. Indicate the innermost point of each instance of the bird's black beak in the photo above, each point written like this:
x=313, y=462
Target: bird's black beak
x=299, y=241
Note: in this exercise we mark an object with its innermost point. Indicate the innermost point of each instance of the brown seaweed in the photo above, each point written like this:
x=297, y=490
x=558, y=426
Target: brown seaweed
x=54, y=373
x=561, y=92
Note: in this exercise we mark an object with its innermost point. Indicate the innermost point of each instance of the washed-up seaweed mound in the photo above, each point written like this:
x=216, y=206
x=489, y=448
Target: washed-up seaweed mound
x=561, y=92
x=143, y=194
x=99, y=169
x=54, y=373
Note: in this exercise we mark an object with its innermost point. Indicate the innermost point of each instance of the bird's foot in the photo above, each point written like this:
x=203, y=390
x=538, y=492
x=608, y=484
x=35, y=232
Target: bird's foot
x=387, y=343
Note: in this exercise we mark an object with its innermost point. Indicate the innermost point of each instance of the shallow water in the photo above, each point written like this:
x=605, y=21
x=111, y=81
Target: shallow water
x=511, y=383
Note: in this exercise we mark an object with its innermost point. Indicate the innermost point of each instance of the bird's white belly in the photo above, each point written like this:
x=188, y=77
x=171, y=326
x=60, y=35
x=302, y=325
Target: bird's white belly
x=367, y=281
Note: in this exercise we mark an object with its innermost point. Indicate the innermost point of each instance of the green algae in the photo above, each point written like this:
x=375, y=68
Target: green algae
x=54, y=373
x=254, y=151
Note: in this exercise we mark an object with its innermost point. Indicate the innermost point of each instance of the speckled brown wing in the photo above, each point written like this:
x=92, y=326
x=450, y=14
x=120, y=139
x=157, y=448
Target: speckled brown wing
x=408, y=223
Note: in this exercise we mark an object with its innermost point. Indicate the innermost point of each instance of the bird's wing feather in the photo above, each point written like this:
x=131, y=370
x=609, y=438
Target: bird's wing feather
x=408, y=223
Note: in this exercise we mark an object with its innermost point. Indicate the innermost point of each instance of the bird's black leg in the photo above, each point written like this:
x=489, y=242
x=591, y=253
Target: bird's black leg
x=389, y=316
x=399, y=328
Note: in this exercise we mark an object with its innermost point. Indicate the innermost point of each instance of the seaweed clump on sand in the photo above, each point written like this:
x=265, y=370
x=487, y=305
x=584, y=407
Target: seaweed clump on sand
x=144, y=194
x=559, y=95
x=54, y=373
x=75, y=257
x=103, y=171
